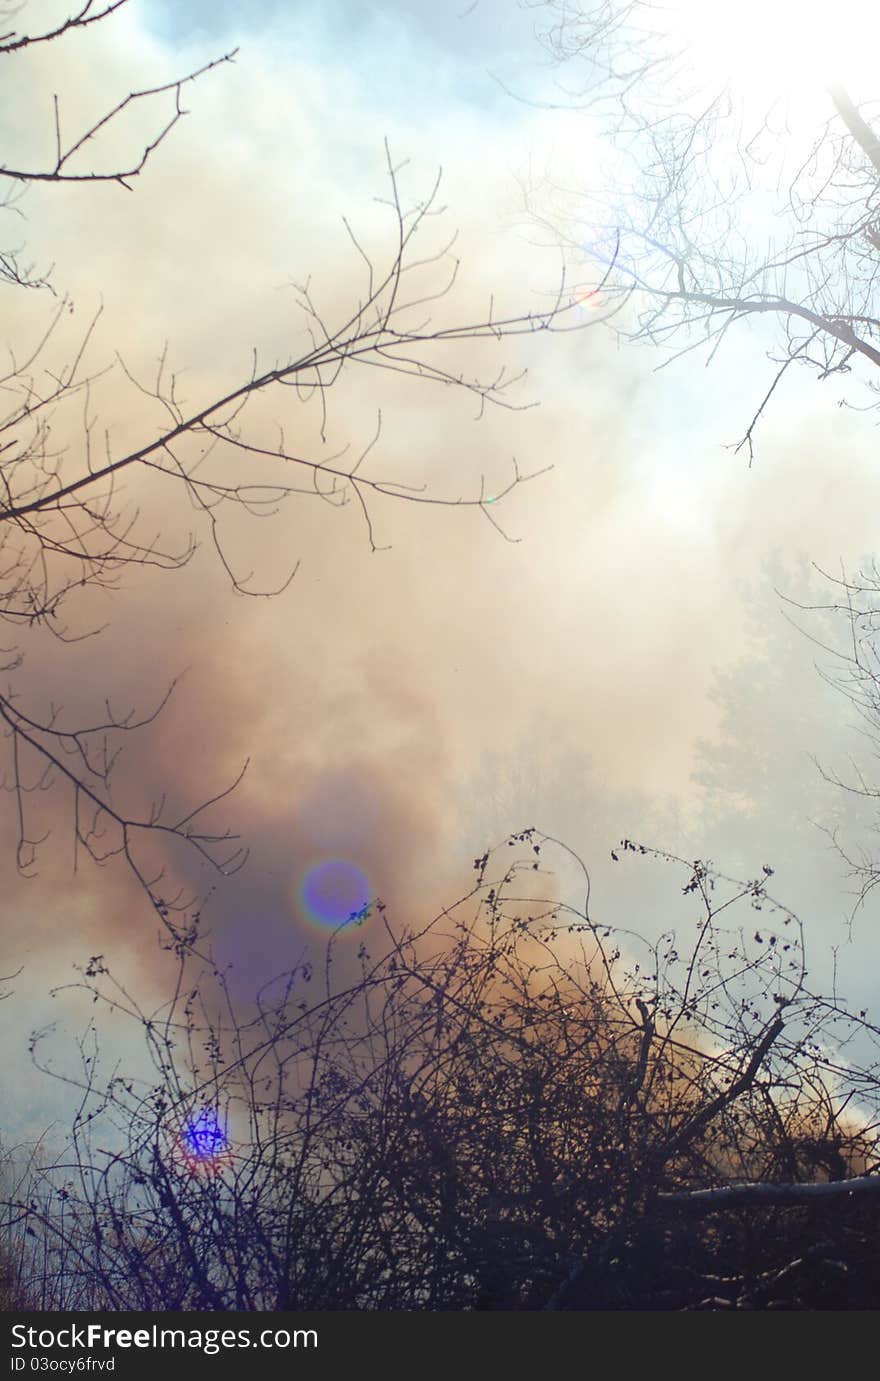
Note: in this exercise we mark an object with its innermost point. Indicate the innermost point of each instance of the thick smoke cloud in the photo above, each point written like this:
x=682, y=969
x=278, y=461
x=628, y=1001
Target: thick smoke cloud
x=402, y=710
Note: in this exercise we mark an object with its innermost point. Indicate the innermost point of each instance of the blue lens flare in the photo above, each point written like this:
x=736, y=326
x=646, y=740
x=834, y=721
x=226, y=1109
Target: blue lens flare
x=204, y=1136
x=334, y=893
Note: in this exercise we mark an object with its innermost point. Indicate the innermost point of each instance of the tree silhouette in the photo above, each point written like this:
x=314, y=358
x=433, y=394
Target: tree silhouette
x=725, y=205
x=516, y=1106
x=67, y=527
x=730, y=208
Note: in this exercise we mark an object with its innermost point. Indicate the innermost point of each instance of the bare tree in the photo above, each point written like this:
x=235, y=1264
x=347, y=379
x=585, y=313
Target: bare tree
x=516, y=1106
x=852, y=667
x=728, y=207
x=68, y=162
x=66, y=526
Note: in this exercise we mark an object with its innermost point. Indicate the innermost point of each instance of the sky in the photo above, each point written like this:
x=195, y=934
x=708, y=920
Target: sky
x=625, y=666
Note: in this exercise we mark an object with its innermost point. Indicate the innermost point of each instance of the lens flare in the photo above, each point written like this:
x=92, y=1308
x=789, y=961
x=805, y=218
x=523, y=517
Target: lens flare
x=335, y=893
x=588, y=299
x=204, y=1142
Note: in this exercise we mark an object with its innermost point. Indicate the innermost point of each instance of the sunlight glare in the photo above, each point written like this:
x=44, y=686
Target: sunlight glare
x=779, y=46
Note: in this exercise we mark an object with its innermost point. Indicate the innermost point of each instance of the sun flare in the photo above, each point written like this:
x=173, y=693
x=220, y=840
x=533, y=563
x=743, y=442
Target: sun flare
x=768, y=47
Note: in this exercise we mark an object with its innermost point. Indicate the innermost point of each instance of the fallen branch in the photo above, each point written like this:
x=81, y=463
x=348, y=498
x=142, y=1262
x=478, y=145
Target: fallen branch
x=747, y=1195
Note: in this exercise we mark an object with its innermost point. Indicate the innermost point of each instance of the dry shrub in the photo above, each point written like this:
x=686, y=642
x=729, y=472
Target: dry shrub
x=487, y=1114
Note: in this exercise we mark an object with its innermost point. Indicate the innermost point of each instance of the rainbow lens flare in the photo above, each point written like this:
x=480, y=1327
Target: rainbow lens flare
x=587, y=298
x=335, y=893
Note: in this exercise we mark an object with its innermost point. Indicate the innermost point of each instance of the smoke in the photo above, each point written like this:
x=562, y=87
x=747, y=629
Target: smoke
x=399, y=710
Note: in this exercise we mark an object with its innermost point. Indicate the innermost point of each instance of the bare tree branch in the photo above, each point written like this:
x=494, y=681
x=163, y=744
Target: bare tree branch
x=736, y=1196
x=723, y=213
